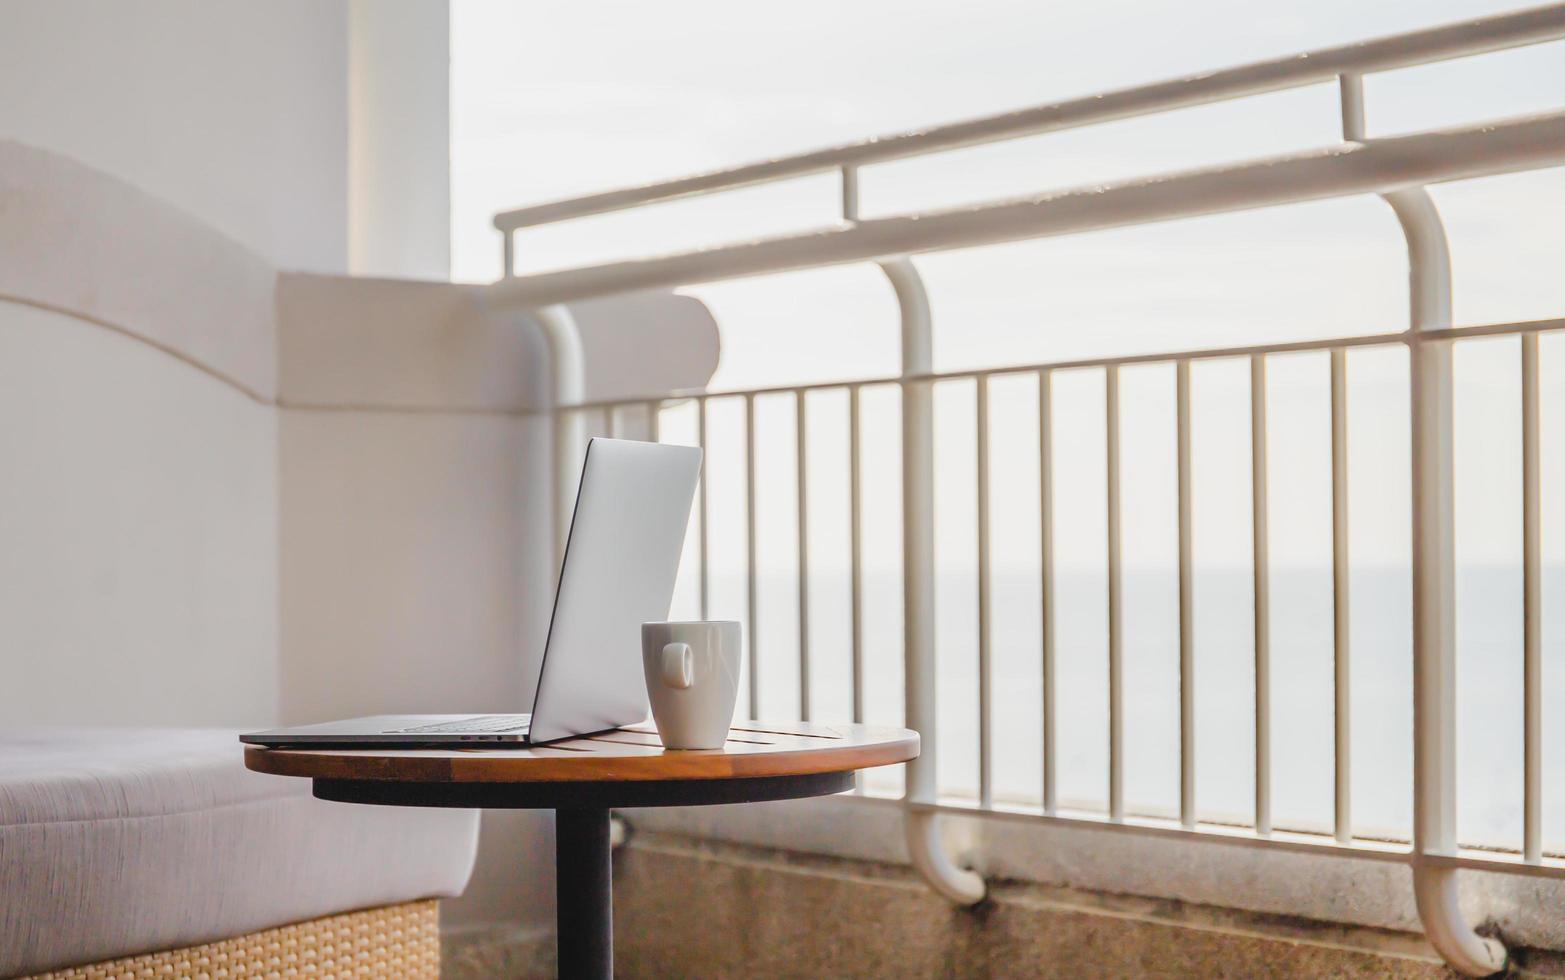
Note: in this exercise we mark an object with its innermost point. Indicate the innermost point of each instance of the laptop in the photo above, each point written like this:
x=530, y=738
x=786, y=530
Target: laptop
x=621, y=557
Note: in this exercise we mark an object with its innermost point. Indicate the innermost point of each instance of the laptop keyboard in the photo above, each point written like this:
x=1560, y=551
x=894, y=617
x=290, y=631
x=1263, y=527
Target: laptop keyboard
x=487, y=725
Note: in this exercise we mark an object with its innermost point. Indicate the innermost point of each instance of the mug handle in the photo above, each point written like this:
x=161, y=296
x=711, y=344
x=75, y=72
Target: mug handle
x=679, y=665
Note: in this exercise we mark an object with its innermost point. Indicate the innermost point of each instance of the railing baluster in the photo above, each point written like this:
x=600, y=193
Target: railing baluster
x=701, y=534
x=801, y=452
x=1046, y=579
x=1532, y=609
x=850, y=192
x=1262, y=568
x=749, y=498
x=856, y=554
x=1187, y=811
x=1116, y=641
x=1341, y=663
x=985, y=635
x=1350, y=95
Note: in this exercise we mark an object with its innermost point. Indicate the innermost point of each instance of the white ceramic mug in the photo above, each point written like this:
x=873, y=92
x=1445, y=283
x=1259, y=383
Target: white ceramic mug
x=692, y=672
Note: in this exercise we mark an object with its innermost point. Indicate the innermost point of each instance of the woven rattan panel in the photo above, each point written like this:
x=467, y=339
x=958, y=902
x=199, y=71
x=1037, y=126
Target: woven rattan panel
x=401, y=941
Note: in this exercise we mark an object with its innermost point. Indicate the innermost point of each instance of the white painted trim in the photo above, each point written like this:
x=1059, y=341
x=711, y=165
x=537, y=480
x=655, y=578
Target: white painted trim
x=79, y=242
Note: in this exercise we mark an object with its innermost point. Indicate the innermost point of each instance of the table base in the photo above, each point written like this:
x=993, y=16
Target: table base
x=583, y=858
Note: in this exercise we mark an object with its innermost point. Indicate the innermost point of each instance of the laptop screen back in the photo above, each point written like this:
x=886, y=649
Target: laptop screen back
x=621, y=558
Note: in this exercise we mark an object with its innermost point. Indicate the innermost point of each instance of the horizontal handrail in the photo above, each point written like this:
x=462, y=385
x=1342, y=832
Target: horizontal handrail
x=1378, y=166
x=1380, y=54
x=1156, y=357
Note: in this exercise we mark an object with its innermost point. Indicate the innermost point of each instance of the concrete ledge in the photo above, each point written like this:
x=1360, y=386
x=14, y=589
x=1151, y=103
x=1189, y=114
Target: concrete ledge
x=1198, y=869
x=487, y=952
x=686, y=907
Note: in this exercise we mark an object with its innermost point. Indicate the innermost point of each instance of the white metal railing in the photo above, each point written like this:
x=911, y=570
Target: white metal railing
x=1396, y=169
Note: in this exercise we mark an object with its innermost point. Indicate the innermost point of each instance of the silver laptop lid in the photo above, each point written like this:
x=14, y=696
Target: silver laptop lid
x=621, y=557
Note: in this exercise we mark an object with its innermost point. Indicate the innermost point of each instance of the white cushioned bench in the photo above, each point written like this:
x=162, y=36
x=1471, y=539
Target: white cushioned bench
x=122, y=841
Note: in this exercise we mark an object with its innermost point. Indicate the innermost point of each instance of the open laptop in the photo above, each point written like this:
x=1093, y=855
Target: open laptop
x=621, y=556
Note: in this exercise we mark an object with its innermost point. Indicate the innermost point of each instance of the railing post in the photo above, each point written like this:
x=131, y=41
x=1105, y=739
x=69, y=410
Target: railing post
x=568, y=371
x=1434, y=593
x=918, y=586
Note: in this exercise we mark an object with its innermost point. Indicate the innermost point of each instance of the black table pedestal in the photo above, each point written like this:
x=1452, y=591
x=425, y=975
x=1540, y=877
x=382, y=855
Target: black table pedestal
x=584, y=893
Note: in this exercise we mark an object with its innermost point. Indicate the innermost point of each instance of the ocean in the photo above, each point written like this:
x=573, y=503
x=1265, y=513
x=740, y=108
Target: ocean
x=1489, y=699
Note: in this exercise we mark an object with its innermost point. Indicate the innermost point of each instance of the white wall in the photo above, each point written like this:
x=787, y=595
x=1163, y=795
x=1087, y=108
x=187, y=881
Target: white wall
x=413, y=503
x=138, y=449
x=139, y=542
x=314, y=132
x=232, y=110
x=138, y=533
x=138, y=442
x=225, y=503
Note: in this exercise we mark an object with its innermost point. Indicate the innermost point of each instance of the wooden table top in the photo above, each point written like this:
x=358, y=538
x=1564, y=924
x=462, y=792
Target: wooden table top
x=754, y=749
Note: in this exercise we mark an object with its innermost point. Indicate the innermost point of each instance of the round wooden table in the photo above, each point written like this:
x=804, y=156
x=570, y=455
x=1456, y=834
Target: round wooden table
x=582, y=778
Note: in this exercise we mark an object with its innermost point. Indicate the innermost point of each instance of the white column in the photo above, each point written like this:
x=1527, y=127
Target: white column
x=399, y=138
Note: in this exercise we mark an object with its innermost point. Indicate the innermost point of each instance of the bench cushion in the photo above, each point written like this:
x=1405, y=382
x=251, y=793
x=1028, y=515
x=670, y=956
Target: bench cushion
x=122, y=841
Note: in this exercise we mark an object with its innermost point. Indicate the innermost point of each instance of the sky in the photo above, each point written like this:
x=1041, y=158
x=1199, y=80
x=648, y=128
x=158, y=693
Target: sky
x=553, y=99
